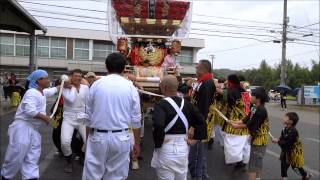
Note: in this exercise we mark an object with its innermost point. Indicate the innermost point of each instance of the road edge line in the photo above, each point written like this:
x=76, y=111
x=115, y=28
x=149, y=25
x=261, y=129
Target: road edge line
x=276, y=155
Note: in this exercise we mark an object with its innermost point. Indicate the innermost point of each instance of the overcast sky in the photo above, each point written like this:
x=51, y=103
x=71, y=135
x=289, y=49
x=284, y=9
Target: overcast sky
x=232, y=53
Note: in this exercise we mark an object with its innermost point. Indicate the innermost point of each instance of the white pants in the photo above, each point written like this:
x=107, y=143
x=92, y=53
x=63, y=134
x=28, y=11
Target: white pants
x=23, y=151
x=69, y=123
x=236, y=148
x=171, y=160
x=107, y=156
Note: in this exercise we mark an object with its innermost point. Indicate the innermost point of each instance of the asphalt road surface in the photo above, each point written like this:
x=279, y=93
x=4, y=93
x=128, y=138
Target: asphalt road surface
x=51, y=165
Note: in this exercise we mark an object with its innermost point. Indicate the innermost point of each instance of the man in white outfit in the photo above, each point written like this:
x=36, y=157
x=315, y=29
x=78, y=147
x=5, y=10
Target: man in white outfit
x=113, y=105
x=74, y=115
x=24, y=147
x=172, y=118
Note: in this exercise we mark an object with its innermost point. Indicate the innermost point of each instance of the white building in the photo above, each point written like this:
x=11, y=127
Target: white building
x=63, y=49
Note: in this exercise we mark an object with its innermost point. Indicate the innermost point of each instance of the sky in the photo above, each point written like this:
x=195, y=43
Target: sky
x=261, y=19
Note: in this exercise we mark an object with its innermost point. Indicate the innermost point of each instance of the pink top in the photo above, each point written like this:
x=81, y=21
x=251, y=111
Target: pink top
x=169, y=61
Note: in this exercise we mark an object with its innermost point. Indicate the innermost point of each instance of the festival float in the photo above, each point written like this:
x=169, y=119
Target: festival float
x=149, y=34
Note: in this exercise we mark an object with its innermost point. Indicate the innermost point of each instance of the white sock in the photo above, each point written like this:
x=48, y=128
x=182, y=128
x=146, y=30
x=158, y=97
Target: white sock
x=258, y=178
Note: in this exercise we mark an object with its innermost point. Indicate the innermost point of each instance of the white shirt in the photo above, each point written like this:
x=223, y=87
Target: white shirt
x=74, y=101
x=32, y=103
x=113, y=104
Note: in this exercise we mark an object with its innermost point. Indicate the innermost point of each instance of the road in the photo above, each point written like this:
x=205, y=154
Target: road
x=51, y=165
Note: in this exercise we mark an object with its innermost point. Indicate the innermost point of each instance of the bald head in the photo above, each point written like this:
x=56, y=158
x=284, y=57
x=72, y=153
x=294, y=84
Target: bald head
x=169, y=84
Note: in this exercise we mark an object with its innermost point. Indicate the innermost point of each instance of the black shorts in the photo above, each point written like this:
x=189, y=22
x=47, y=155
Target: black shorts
x=256, y=158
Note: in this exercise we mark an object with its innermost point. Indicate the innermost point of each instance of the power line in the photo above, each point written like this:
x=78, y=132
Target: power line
x=305, y=40
x=304, y=43
x=236, y=19
x=235, y=25
x=60, y=6
x=237, y=37
x=316, y=31
x=262, y=22
x=70, y=20
x=218, y=24
x=99, y=23
x=237, y=48
x=277, y=59
x=83, y=21
x=64, y=6
x=302, y=34
x=66, y=14
x=209, y=30
x=228, y=25
x=303, y=27
x=295, y=28
x=90, y=17
x=232, y=49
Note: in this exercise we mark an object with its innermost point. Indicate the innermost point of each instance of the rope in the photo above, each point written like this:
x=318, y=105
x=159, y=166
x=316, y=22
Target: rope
x=272, y=137
x=227, y=120
x=63, y=79
x=150, y=93
x=221, y=115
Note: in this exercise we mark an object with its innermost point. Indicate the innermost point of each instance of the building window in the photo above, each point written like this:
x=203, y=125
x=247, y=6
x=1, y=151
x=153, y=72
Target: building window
x=101, y=49
x=81, y=49
x=185, y=57
x=43, y=47
x=22, y=45
x=58, y=48
x=6, y=45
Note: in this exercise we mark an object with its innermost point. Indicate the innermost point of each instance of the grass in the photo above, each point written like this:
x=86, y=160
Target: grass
x=291, y=98
x=306, y=107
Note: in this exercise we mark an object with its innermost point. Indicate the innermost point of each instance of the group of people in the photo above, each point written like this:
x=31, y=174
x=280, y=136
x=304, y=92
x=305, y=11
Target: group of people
x=104, y=109
x=10, y=88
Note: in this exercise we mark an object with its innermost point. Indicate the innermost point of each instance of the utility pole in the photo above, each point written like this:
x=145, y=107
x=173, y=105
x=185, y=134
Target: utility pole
x=32, y=52
x=284, y=46
x=212, y=56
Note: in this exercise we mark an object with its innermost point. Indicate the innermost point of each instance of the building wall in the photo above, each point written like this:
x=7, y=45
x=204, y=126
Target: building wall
x=62, y=49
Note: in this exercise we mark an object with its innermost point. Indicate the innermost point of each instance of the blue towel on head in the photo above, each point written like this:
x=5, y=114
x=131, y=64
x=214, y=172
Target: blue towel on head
x=36, y=75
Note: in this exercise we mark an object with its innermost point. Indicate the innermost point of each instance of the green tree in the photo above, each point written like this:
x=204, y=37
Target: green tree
x=269, y=77
x=315, y=72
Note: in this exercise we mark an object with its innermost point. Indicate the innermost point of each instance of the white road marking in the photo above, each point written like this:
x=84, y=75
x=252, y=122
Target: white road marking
x=276, y=155
x=313, y=139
